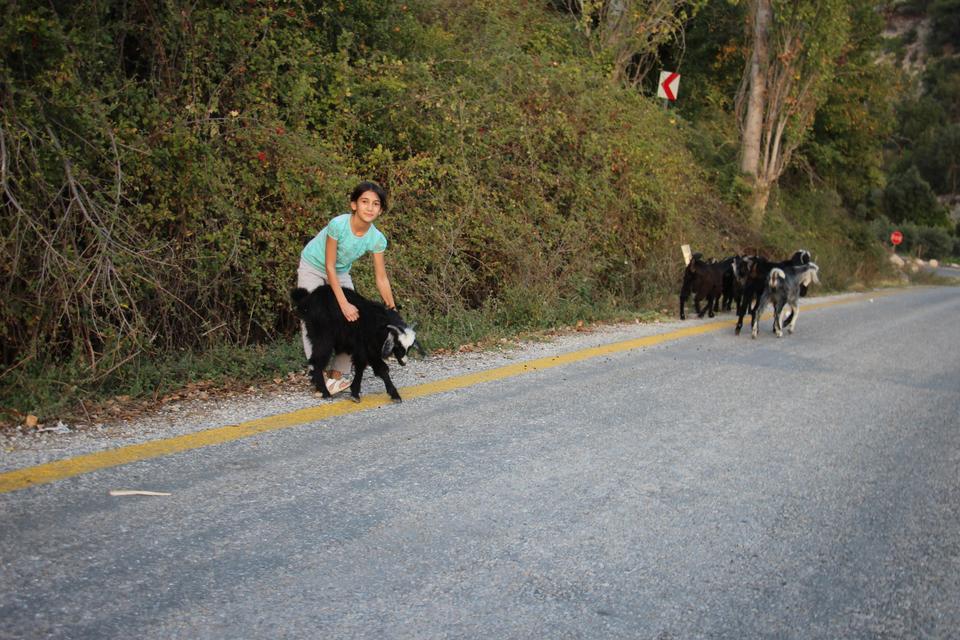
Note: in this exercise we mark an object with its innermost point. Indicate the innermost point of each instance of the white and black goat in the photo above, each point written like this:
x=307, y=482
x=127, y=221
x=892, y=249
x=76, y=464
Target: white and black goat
x=370, y=340
x=783, y=289
x=753, y=273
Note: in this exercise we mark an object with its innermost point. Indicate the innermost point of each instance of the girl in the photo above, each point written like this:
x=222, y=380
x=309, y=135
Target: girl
x=328, y=257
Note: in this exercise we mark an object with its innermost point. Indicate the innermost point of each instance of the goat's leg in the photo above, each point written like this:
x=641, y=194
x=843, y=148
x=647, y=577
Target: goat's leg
x=382, y=371
x=322, y=352
x=734, y=299
x=696, y=305
x=684, y=293
x=712, y=305
x=743, y=303
x=778, y=318
x=756, y=313
x=792, y=321
x=358, y=367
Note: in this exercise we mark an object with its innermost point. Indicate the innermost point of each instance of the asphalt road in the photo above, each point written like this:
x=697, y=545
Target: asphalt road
x=712, y=487
x=948, y=272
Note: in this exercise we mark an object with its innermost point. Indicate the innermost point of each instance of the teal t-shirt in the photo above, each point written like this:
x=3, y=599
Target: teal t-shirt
x=349, y=246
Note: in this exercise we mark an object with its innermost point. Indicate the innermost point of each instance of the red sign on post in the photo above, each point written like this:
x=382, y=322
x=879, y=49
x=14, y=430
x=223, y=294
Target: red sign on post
x=896, y=238
x=669, y=85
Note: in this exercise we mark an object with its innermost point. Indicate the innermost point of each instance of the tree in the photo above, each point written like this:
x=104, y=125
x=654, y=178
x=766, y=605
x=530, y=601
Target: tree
x=944, y=24
x=938, y=159
x=629, y=33
x=845, y=146
x=795, y=45
x=909, y=198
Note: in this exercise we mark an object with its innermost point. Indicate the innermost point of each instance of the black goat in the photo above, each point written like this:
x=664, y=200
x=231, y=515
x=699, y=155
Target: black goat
x=783, y=289
x=705, y=281
x=732, y=284
x=370, y=340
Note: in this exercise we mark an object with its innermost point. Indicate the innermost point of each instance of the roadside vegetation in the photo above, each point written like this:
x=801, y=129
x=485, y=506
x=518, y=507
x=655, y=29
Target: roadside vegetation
x=164, y=163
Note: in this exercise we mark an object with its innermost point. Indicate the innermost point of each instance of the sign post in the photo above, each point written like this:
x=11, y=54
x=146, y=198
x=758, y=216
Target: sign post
x=896, y=238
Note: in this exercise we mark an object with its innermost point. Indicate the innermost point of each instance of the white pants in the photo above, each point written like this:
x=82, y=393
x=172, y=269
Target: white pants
x=309, y=278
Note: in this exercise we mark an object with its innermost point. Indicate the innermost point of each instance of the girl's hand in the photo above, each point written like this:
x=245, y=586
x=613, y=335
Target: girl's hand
x=350, y=312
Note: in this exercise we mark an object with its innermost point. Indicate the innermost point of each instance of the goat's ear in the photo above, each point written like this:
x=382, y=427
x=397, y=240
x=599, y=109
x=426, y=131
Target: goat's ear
x=388, y=345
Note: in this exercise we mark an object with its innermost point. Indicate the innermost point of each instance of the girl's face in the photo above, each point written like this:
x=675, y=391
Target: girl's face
x=367, y=206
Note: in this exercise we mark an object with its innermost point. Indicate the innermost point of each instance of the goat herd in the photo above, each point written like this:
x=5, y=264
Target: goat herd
x=381, y=332
x=752, y=282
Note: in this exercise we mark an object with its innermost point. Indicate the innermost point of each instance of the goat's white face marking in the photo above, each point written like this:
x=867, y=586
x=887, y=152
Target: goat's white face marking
x=810, y=276
x=407, y=338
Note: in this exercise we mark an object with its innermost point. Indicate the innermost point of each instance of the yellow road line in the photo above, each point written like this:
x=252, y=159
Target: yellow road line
x=60, y=469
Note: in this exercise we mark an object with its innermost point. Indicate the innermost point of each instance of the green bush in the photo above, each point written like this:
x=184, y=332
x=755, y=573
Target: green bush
x=845, y=249
x=918, y=240
x=168, y=165
x=909, y=198
x=934, y=242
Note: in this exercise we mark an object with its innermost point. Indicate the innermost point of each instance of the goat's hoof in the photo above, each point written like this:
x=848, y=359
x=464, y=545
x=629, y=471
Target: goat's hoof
x=355, y=398
x=736, y=331
x=711, y=314
x=397, y=400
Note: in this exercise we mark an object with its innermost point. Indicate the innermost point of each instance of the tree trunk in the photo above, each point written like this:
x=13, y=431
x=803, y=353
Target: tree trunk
x=756, y=101
x=758, y=201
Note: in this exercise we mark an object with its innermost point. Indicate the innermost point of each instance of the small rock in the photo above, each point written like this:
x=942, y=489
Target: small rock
x=60, y=428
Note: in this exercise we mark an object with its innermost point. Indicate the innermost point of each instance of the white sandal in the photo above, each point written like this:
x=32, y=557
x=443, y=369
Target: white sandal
x=336, y=385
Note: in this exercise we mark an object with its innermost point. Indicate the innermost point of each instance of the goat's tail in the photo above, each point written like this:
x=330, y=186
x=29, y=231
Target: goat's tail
x=777, y=277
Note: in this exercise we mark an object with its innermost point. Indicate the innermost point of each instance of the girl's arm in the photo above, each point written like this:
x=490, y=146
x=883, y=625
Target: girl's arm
x=350, y=312
x=383, y=282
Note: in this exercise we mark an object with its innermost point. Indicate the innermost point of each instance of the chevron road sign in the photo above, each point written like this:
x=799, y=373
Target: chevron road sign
x=668, y=86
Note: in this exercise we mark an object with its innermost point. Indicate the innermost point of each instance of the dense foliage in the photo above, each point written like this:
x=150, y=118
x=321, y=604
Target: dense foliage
x=163, y=164
x=923, y=158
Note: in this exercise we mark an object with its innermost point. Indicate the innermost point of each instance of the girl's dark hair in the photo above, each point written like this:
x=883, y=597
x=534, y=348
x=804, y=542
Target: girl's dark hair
x=365, y=186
